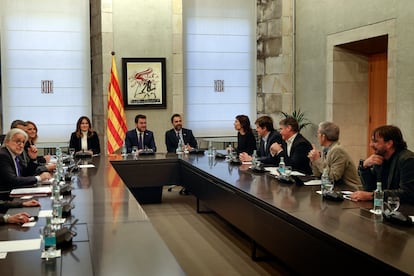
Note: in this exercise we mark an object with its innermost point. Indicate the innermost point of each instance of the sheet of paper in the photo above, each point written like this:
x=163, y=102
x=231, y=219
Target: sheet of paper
x=3, y=255
x=19, y=245
x=87, y=166
x=45, y=213
x=297, y=173
x=272, y=170
x=313, y=182
x=31, y=191
x=29, y=224
x=46, y=182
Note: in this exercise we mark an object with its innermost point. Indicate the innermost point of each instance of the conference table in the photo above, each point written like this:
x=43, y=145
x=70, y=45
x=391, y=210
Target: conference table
x=291, y=222
x=114, y=235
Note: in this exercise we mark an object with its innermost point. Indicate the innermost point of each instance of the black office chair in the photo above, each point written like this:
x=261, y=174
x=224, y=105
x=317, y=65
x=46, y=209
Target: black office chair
x=2, y=136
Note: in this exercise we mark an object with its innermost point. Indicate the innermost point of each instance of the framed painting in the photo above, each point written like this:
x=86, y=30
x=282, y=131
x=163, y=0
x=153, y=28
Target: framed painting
x=144, y=83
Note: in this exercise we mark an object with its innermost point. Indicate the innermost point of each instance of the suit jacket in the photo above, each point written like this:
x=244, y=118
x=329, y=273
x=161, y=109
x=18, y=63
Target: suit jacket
x=246, y=143
x=264, y=153
x=8, y=177
x=93, y=143
x=298, y=158
x=171, y=140
x=398, y=178
x=131, y=139
x=341, y=167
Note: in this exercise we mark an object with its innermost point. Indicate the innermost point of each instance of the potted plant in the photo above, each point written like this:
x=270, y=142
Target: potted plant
x=300, y=118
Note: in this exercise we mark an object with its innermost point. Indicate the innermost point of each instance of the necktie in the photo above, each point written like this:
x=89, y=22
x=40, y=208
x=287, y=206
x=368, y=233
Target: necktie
x=178, y=136
x=140, y=146
x=16, y=159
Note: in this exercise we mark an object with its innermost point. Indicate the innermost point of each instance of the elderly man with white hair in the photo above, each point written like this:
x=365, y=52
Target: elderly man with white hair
x=14, y=173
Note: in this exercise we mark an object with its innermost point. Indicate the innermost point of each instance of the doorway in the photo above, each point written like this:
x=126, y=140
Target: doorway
x=350, y=79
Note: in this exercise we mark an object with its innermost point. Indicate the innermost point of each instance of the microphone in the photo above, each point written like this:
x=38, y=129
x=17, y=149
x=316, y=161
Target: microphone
x=67, y=207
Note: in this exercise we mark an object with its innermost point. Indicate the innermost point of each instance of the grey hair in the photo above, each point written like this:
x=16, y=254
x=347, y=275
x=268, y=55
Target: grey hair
x=330, y=130
x=12, y=132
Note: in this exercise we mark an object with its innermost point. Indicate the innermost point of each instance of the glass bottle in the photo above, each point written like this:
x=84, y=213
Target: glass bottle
x=254, y=159
x=49, y=239
x=282, y=165
x=378, y=199
x=179, y=149
x=324, y=181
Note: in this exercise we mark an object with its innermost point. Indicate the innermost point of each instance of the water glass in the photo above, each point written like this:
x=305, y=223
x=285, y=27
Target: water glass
x=134, y=151
x=288, y=171
x=329, y=186
x=393, y=203
x=71, y=152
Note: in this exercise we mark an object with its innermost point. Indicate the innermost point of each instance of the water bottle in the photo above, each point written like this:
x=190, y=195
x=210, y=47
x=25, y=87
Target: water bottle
x=282, y=166
x=56, y=202
x=179, y=149
x=123, y=149
x=230, y=151
x=210, y=149
x=378, y=199
x=49, y=239
x=324, y=181
x=254, y=159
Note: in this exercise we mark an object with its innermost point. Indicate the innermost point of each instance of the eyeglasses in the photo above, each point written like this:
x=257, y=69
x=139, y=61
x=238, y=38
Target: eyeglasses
x=19, y=142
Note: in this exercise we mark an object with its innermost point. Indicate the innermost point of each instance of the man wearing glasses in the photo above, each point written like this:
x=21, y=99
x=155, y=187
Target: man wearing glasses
x=14, y=173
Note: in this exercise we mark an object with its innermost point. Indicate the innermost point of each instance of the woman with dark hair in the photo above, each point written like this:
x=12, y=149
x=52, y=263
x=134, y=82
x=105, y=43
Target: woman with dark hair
x=246, y=142
x=85, y=139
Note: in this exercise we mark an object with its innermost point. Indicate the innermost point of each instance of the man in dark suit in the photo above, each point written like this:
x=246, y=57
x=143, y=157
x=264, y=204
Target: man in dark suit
x=268, y=135
x=140, y=136
x=15, y=173
x=294, y=147
x=177, y=133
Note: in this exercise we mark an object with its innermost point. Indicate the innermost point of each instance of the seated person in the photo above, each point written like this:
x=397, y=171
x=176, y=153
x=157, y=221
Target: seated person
x=43, y=161
x=246, y=142
x=341, y=168
x=19, y=218
x=173, y=135
x=16, y=203
x=14, y=173
x=268, y=136
x=85, y=139
x=294, y=147
x=140, y=136
x=392, y=164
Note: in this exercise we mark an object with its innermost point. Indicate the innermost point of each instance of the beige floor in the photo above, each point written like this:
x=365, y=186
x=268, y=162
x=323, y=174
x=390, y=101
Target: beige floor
x=204, y=244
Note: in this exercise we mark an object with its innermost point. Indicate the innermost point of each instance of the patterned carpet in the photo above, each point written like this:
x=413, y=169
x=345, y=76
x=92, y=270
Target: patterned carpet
x=204, y=244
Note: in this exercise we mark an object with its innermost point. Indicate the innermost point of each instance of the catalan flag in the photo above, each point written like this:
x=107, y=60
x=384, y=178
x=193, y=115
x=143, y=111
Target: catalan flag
x=116, y=127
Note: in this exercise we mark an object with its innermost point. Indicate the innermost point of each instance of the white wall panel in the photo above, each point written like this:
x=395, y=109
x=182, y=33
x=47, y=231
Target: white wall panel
x=45, y=40
x=219, y=45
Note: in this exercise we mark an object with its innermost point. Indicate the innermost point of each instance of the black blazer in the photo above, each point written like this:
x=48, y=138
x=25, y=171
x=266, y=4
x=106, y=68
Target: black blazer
x=264, y=153
x=298, y=158
x=8, y=177
x=246, y=143
x=131, y=139
x=171, y=140
x=93, y=143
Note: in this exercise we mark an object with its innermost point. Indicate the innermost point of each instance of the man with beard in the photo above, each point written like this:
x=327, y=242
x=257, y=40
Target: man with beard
x=140, y=136
x=177, y=133
x=392, y=164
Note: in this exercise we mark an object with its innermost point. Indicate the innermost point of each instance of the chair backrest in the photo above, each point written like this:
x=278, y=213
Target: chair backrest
x=2, y=136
